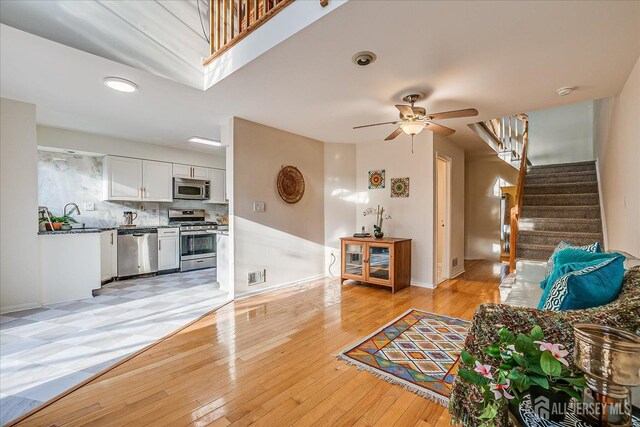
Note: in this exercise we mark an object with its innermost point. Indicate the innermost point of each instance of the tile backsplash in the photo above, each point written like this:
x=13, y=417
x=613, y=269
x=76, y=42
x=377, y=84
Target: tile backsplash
x=65, y=178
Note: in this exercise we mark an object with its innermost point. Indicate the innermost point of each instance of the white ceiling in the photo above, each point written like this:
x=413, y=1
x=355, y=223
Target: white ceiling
x=499, y=57
x=163, y=37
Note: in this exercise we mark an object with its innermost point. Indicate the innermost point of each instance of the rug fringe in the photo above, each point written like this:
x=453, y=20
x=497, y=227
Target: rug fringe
x=444, y=401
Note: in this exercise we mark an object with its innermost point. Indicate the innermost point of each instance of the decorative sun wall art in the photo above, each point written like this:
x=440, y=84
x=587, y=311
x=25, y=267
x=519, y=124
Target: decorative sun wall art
x=400, y=187
x=376, y=179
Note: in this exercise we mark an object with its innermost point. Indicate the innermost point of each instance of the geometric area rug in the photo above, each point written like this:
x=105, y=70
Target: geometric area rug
x=418, y=350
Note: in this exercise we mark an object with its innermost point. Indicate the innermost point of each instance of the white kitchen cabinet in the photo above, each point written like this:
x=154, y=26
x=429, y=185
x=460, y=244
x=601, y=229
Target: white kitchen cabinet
x=168, y=248
x=190, y=172
x=122, y=178
x=138, y=180
x=217, y=190
x=108, y=255
x=156, y=181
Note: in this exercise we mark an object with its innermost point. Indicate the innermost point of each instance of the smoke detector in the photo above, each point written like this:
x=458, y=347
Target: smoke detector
x=564, y=91
x=364, y=58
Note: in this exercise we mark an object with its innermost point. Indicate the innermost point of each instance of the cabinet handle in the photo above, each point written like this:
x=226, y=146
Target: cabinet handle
x=159, y=245
x=144, y=190
x=111, y=238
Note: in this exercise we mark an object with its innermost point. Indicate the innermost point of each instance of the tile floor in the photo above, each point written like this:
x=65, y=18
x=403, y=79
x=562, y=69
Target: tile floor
x=45, y=351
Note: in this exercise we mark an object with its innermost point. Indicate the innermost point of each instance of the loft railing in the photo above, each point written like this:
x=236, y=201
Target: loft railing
x=509, y=135
x=232, y=20
x=517, y=209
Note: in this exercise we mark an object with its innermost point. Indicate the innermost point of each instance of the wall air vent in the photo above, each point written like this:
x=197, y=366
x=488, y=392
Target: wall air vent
x=256, y=277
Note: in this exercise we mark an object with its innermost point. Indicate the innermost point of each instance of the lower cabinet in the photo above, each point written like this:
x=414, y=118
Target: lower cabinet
x=385, y=262
x=108, y=255
x=168, y=249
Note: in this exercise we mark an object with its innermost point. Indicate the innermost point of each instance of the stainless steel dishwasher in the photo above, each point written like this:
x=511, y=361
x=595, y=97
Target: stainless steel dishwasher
x=137, y=251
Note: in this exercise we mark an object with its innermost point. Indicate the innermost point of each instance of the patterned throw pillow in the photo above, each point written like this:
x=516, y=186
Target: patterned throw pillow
x=593, y=247
x=585, y=285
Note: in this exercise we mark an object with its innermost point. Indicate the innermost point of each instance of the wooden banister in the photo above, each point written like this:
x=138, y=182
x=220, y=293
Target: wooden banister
x=517, y=209
x=232, y=20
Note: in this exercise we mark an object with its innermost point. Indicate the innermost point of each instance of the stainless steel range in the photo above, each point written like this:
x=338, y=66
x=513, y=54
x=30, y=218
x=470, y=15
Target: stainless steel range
x=197, y=238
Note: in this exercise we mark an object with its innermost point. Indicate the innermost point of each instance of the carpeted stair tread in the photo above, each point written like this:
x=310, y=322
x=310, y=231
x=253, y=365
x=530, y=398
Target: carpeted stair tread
x=581, y=176
x=561, y=168
x=580, y=199
x=561, y=188
x=590, y=225
x=552, y=238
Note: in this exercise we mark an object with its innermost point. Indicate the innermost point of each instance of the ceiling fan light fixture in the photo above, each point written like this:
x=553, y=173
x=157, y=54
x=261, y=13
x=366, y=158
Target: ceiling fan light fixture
x=412, y=128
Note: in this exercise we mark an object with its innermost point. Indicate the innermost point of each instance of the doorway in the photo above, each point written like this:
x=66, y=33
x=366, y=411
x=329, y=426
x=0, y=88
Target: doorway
x=443, y=215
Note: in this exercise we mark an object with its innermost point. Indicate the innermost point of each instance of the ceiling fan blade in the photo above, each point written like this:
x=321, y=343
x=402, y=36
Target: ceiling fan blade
x=393, y=134
x=377, y=124
x=405, y=110
x=454, y=114
x=442, y=130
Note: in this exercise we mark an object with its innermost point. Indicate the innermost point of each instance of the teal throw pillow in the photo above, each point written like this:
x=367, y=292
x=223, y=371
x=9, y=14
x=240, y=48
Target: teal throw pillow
x=592, y=247
x=583, y=285
x=573, y=254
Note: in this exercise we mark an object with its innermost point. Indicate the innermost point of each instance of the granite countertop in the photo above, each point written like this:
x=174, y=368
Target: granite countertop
x=89, y=230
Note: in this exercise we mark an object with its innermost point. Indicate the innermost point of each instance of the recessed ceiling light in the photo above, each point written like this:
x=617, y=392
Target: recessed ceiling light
x=207, y=141
x=363, y=58
x=563, y=91
x=120, y=84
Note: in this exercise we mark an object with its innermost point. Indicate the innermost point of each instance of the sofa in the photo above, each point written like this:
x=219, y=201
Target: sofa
x=521, y=293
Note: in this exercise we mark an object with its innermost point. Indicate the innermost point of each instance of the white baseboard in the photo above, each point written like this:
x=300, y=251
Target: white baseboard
x=19, y=307
x=457, y=274
x=279, y=286
x=422, y=284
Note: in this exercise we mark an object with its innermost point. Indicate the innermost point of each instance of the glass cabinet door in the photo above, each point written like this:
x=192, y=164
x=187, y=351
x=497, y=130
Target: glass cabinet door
x=379, y=262
x=353, y=259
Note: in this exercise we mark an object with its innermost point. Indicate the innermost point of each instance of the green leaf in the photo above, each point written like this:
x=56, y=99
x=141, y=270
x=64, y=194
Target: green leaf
x=520, y=360
x=467, y=358
x=570, y=391
x=472, y=377
x=489, y=413
x=550, y=365
x=537, y=334
x=578, y=382
x=523, y=343
x=506, y=336
x=493, y=350
x=539, y=380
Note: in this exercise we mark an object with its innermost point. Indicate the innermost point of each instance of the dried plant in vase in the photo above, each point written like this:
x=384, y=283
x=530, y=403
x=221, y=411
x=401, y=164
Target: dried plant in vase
x=380, y=216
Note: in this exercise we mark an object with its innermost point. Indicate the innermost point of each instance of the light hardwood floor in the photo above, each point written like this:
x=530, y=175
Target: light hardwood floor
x=270, y=360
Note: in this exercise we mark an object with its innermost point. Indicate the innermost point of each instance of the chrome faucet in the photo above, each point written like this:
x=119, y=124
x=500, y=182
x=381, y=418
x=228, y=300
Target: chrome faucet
x=74, y=207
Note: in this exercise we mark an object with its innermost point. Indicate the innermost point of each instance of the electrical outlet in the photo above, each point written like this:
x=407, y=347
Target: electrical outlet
x=258, y=206
x=89, y=206
x=454, y=262
x=256, y=277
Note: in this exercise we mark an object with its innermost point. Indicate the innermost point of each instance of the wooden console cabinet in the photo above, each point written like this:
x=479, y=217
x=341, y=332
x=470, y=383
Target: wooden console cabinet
x=385, y=262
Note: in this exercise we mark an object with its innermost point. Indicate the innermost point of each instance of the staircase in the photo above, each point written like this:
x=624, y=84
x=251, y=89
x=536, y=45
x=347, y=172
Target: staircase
x=560, y=202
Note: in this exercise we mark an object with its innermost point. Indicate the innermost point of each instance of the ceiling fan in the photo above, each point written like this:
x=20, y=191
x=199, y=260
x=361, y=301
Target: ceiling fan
x=414, y=120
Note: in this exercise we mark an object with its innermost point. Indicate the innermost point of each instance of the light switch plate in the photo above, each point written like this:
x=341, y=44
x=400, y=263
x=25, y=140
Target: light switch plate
x=90, y=206
x=258, y=206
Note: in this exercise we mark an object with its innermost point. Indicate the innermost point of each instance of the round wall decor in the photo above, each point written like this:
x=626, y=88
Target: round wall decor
x=290, y=184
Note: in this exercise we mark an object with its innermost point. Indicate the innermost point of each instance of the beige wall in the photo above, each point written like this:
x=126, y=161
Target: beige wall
x=19, y=288
x=412, y=217
x=286, y=240
x=482, y=205
x=442, y=146
x=617, y=147
x=340, y=199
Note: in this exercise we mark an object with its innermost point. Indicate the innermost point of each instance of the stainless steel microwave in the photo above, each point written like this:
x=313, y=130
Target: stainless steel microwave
x=191, y=189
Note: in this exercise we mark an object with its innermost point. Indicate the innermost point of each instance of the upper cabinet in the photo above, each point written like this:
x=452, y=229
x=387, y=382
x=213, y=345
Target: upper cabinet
x=122, y=178
x=135, y=179
x=156, y=181
x=218, y=193
x=190, y=172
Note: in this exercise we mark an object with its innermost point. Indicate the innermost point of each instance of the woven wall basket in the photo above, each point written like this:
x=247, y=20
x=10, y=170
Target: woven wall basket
x=290, y=184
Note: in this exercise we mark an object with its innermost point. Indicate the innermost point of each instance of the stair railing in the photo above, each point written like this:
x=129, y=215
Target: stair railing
x=517, y=209
x=232, y=20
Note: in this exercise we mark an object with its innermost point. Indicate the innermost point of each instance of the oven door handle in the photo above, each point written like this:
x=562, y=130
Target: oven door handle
x=196, y=233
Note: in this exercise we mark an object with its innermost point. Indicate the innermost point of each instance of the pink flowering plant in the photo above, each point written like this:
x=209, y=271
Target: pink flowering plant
x=520, y=362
